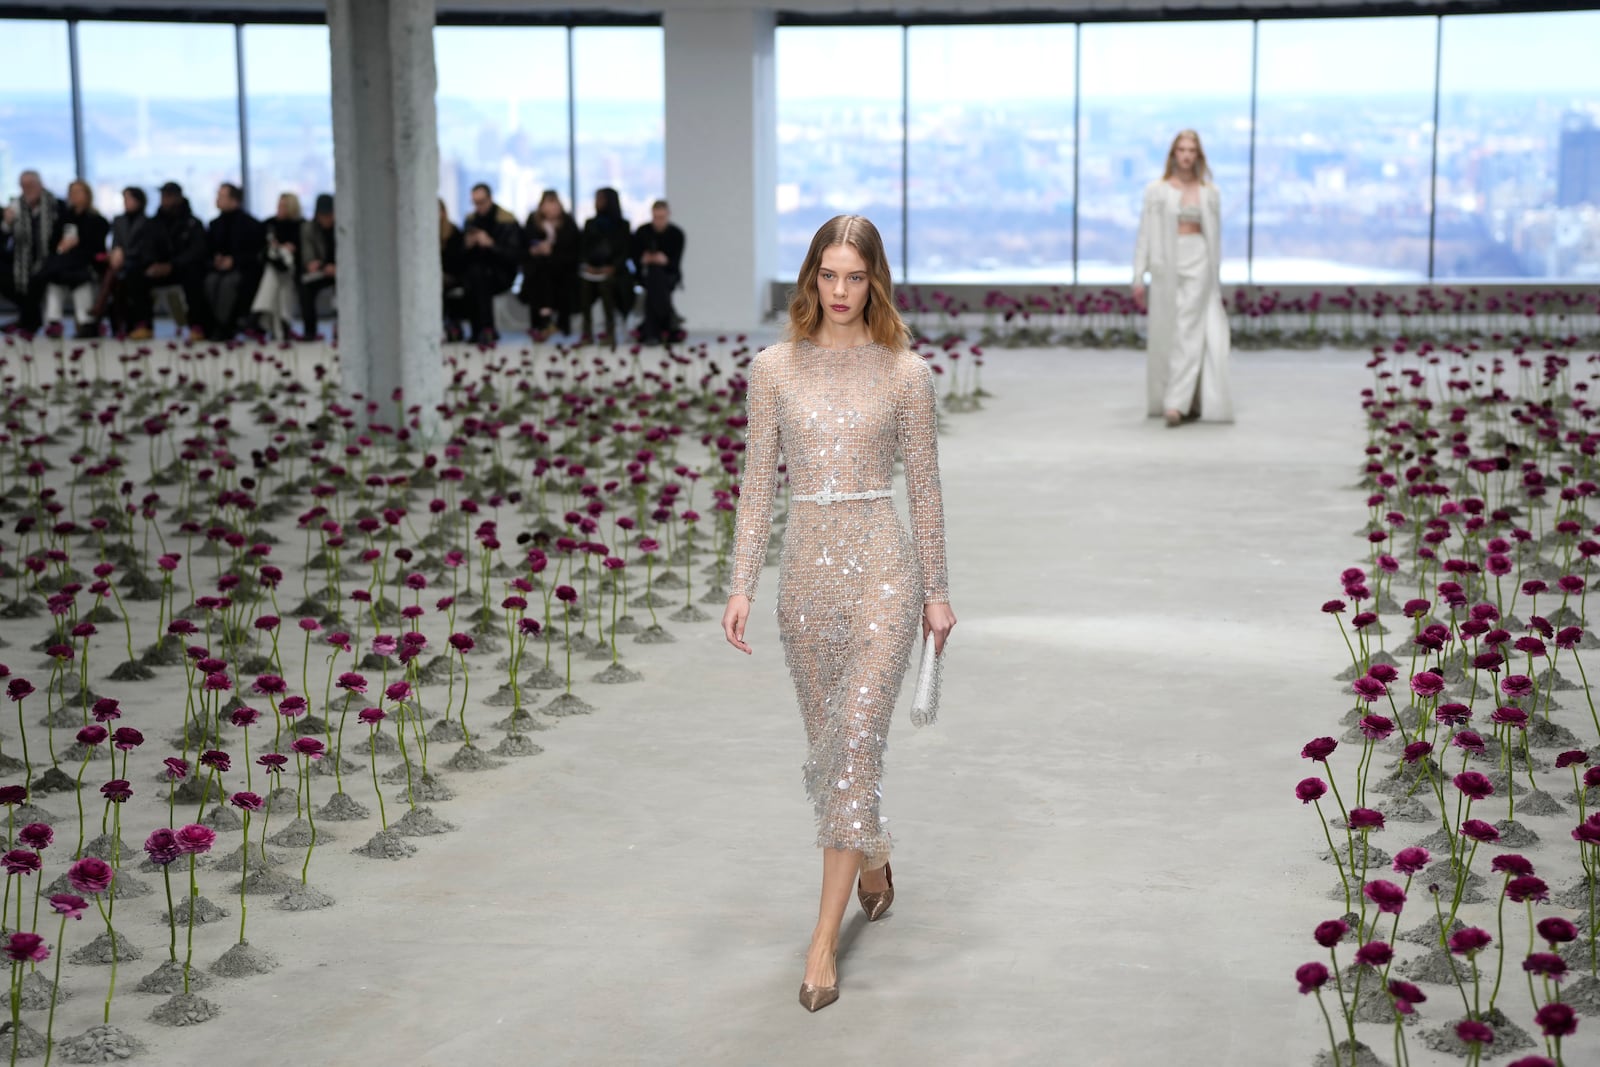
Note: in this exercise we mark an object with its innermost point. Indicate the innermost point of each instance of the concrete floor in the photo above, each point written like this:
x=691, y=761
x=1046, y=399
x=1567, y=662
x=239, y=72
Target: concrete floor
x=1100, y=859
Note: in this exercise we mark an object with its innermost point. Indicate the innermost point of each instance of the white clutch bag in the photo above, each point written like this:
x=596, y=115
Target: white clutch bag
x=925, y=704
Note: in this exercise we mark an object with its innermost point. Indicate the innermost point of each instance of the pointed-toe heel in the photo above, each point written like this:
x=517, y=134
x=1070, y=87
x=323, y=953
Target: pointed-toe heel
x=816, y=997
x=875, y=904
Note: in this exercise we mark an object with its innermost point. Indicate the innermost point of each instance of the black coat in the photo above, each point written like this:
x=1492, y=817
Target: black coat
x=670, y=240
x=142, y=240
x=607, y=242
x=505, y=256
x=76, y=266
x=186, y=239
x=282, y=232
x=239, y=235
x=551, y=280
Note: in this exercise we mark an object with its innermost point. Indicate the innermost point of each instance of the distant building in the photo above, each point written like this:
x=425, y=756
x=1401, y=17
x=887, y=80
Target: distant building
x=1578, y=180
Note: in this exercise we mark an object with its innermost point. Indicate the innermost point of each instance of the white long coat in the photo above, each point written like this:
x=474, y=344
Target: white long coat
x=1156, y=252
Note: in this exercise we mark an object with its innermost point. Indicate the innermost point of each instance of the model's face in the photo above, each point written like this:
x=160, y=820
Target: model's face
x=31, y=187
x=842, y=285
x=224, y=200
x=1187, y=154
x=550, y=209
x=480, y=201
x=129, y=204
x=285, y=209
x=659, y=217
x=169, y=201
x=78, y=197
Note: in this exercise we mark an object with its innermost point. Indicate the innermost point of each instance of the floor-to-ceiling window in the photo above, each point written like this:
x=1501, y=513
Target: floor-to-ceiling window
x=1519, y=147
x=1344, y=149
x=288, y=115
x=35, y=105
x=160, y=104
x=840, y=135
x=990, y=145
x=1141, y=84
x=619, y=116
x=502, y=115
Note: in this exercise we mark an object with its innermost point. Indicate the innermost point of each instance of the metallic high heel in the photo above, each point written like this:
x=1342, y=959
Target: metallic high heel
x=875, y=904
x=815, y=998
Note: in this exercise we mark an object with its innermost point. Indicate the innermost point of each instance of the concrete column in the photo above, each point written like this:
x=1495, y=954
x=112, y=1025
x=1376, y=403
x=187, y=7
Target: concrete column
x=386, y=177
x=721, y=160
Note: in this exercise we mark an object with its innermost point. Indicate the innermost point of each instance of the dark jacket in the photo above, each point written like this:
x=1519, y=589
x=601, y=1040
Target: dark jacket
x=77, y=266
x=318, y=245
x=281, y=233
x=186, y=238
x=670, y=240
x=506, y=254
x=607, y=241
x=142, y=240
x=564, y=252
x=237, y=234
x=452, y=257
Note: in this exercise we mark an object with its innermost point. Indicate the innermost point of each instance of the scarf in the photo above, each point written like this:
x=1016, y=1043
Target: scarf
x=31, y=237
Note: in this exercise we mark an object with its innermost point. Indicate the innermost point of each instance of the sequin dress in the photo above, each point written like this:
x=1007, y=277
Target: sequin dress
x=852, y=582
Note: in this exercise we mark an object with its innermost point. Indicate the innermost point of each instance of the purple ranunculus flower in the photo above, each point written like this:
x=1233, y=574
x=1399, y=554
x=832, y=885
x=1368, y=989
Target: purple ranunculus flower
x=1555, y=1018
x=1389, y=897
x=1474, y=783
x=37, y=836
x=194, y=838
x=27, y=948
x=1409, y=861
x=1469, y=939
x=1366, y=819
x=1311, y=976
x=162, y=846
x=68, y=904
x=91, y=875
x=1557, y=931
x=1309, y=789
x=1427, y=683
x=1330, y=932
x=1319, y=749
x=1374, y=954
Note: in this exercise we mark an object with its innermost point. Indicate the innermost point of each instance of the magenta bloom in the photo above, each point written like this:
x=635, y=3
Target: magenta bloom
x=462, y=643
x=1383, y=673
x=1469, y=939
x=1452, y=714
x=269, y=685
x=1409, y=861
x=1474, y=784
x=68, y=904
x=1369, y=688
x=1512, y=864
x=309, y=747
x=1417, y=750
x=1330, y=932
x=1469, y=740
x=1528, y=887
x=1374, y=954
x=1319, y=749
x=118, y=790
x=1405, y=995
x=274, y=762
x=1571, y=756
x=1376, y=727
x=194, y=839
x=28, y=948
x=92, y=735
x=91, y=875
x=1516, y=686
x=246, y=801
x=566, y=594
x=352, y=682
x=1427, y=683
x=398, y=690
x=1366, y=819
x=293, y=707
x=21, y=861
x=177, y=769
x=162, y=846
x=1555, y=1019
x=19, y=689
x=1557, y=931
x=371, y=716
x=244, y=715
x=126, y=738
x=36, y=835
x=216, y=760
x=1310, y=789
x=13, y=794
x=1311, y=976
x=1389, y=897
x=1548, y=964
x=1480, y=831
x=385, y=645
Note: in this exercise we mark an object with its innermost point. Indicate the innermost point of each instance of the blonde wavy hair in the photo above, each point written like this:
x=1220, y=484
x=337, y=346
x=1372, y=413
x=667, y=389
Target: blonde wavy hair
x=1202, y=169
x=884, y=323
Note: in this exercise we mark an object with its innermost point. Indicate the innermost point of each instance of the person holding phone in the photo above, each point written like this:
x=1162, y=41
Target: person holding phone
x=78, y=254
x=26, y=227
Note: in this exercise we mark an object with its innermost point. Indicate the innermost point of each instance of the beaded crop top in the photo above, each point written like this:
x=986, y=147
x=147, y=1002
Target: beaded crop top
x=1189, y=213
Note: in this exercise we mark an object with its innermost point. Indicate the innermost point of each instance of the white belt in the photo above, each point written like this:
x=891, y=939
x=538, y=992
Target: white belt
x=830, y=497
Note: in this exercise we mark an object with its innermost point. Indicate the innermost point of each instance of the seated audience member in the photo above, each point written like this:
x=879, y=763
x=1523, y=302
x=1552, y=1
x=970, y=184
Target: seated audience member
x=658, y=250
x=188, y=256
x=603, y=270
x=234, y=241
x=273, y=307
x=77, y=257
x=319, y=250
x=452, y=269
x=493, y=243
x=550, y=269
x=138, y=244
x=25, y=231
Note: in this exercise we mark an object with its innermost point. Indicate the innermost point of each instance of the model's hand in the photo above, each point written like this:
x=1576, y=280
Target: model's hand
x=734, y=617
x=938, y=620
x=1138, y=297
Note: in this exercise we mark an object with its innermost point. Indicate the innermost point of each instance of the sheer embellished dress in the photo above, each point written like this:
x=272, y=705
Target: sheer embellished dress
x=852, y=582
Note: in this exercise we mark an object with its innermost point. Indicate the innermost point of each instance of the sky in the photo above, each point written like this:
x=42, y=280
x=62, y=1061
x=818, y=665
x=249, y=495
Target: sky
x=1550, y=52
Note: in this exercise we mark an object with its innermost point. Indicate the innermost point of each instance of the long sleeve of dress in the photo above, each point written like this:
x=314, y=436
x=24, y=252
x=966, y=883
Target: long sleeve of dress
x=1141, y=246
x=752, y=523
x=919, y=443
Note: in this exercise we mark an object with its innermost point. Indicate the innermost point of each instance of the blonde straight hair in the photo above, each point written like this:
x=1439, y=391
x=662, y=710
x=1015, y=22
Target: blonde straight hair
x=1202, y=169
x=884, y=323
